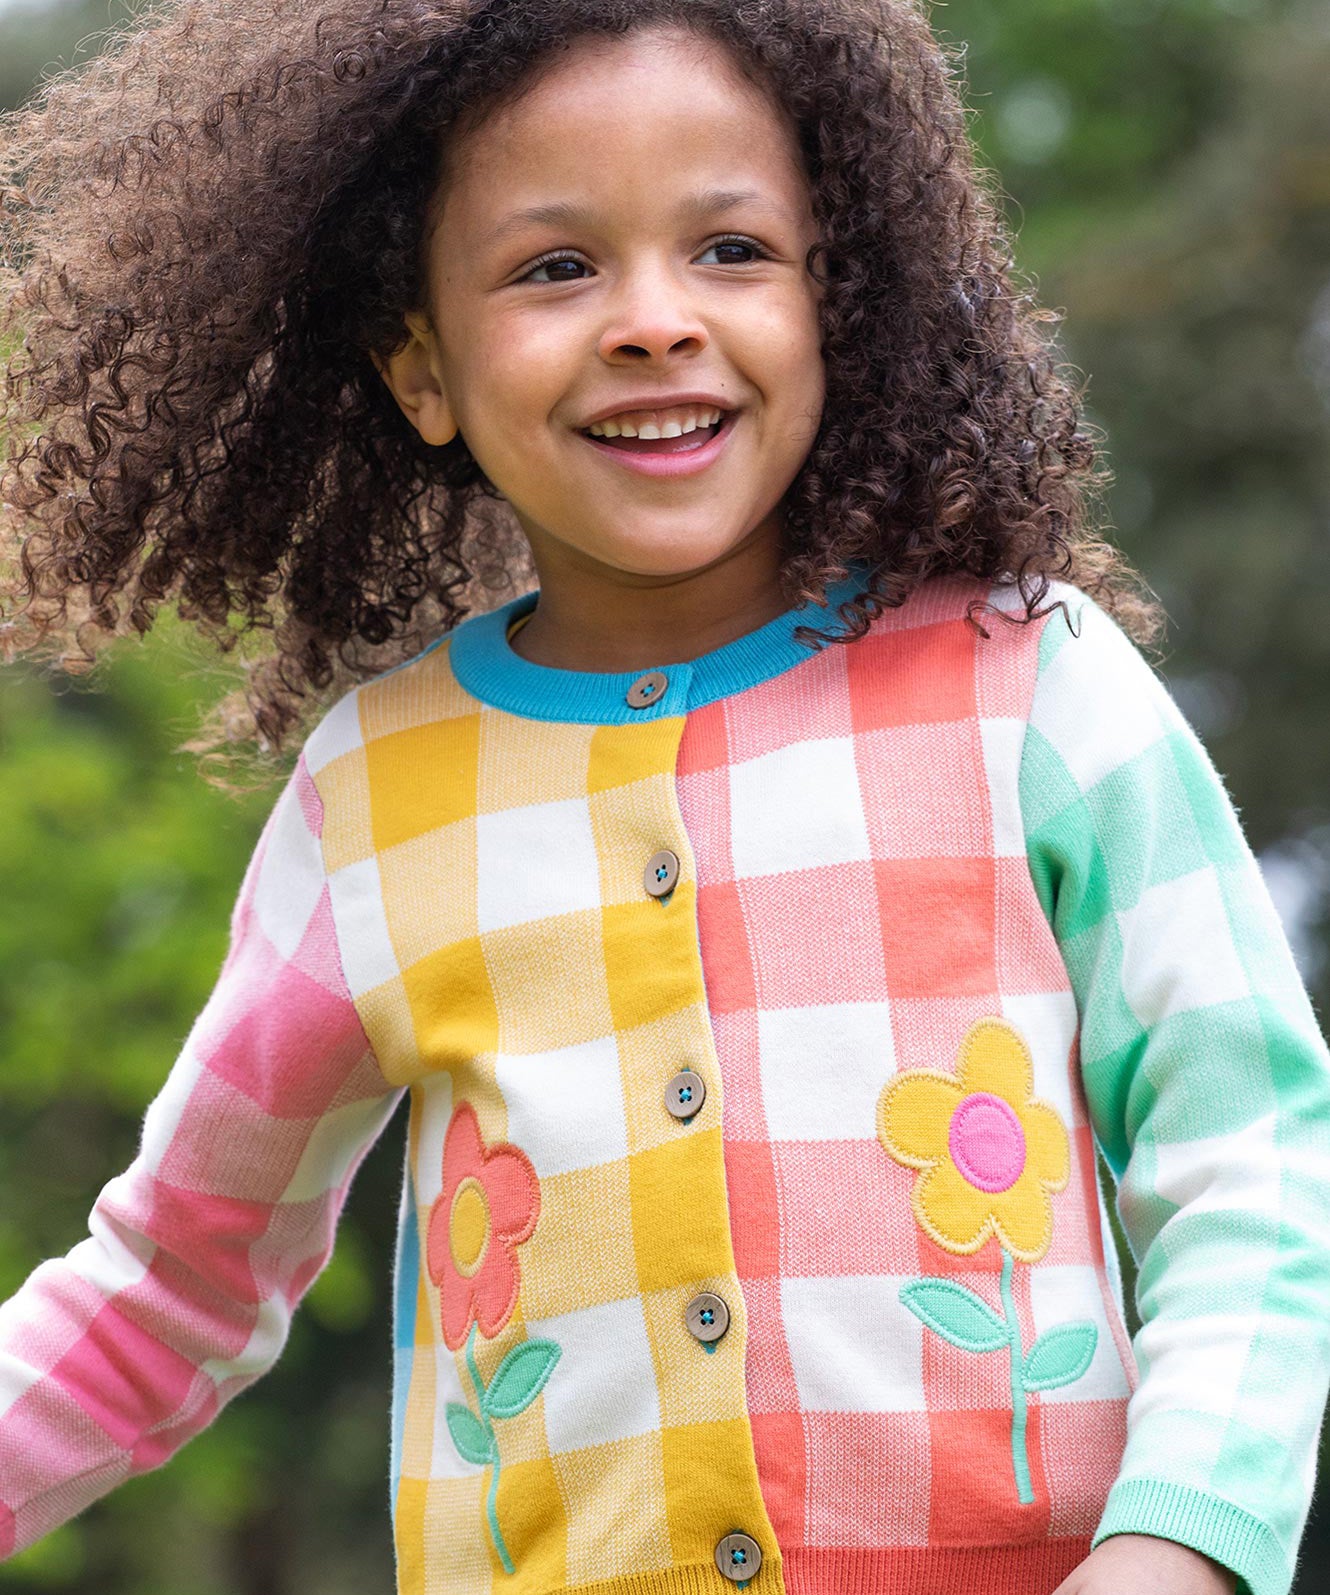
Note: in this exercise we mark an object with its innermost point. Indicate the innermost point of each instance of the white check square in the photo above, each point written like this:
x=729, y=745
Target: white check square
x=368, y=958
x=854, y=1344
x=290, y=877
x=1177, y=952
x=448, y=1462
x=535, y=862
x=1003, y=740
x=797, y=808
x=604, y=1385
x=1047, y=1020
x=565, y=1108
x=823, y=1069
x=1099, y=666
x=337, y=733
x=1066, y=1294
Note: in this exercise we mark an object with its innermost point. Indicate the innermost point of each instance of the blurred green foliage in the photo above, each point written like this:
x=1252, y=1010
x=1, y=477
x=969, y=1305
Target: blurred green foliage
x=1167, y=166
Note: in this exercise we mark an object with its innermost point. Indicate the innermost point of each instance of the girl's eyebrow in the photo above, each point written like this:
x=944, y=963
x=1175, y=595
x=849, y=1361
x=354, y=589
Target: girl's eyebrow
x=709, y=202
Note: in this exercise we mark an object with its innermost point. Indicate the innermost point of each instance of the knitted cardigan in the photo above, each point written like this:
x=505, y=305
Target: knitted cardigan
x=760, y=1021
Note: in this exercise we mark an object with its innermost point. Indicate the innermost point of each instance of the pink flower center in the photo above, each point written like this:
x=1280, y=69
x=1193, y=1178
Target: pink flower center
x=986, y=1142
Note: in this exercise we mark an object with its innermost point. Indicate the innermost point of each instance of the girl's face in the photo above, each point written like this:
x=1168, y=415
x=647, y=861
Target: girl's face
x=628, y=237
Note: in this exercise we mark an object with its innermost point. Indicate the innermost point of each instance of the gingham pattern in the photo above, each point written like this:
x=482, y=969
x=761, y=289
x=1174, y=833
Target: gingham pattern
x=487, y=878
x=863, y=899
x=1207, y=1085
x=874, y=844
x=115, y=1355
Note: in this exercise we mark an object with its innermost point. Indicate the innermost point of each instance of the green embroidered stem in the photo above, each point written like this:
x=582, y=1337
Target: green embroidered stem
x=490, y=1509
x=493, y=1515
x=1020, y=1459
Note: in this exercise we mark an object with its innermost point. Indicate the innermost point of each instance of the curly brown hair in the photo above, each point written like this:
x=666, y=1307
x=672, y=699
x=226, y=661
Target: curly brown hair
x=212, y=230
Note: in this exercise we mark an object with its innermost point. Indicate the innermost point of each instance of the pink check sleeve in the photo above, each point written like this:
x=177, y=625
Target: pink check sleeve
x=115, y=1355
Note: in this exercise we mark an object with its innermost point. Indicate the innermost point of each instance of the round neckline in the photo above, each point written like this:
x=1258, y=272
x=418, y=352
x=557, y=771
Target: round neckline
x=486, y=665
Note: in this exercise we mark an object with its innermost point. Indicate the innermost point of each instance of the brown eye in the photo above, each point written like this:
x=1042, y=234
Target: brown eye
x=547, y=264
x=743, y=245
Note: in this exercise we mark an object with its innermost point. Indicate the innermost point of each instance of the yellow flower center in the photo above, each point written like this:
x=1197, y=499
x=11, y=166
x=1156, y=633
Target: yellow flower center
x=469, y=1227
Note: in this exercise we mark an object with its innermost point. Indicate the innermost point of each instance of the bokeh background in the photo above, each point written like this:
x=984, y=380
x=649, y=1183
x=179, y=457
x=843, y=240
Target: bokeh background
x=1166, y=166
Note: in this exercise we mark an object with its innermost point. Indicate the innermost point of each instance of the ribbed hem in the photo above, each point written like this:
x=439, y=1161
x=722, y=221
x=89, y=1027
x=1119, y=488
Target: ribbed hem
x=934, y=1570
x=694, y=1578
x=1207, y=1523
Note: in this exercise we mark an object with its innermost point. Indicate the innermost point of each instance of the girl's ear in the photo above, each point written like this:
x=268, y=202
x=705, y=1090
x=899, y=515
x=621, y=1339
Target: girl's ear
x=415, y=380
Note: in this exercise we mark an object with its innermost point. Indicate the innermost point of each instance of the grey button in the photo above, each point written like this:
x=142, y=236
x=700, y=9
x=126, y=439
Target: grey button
x=661, y=873
x=685, y=1094
x=738, y=1556
x=647, y=689
x=707, y=1316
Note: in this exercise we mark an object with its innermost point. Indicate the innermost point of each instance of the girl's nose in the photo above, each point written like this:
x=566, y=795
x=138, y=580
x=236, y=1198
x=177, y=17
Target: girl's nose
x=653, y=315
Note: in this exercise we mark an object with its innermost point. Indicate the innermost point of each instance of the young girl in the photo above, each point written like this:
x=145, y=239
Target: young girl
x=769, y=913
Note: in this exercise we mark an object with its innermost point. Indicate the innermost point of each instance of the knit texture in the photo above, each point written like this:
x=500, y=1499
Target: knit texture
x=949, y=908
x=182, y=1294
x=1205, y=1075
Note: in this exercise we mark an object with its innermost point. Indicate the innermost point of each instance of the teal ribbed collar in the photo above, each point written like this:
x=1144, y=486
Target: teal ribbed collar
x=484, y=663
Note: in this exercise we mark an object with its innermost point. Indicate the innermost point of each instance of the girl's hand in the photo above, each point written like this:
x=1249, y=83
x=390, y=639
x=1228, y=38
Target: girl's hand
x=1139, y=1564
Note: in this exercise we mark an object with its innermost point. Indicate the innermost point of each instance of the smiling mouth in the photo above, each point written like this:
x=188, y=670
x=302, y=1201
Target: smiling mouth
x=689, y=443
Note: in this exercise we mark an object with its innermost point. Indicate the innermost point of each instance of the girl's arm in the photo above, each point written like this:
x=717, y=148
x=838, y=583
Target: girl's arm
x=115, y=1355
x=1208, y=1086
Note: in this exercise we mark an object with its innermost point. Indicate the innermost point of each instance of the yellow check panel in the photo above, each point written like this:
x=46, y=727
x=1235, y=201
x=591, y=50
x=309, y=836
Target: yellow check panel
x=538, y=1000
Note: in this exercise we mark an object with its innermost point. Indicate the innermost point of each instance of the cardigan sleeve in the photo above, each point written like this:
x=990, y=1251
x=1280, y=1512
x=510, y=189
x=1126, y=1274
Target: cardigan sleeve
x=1208, y=1086
x=181, y=1296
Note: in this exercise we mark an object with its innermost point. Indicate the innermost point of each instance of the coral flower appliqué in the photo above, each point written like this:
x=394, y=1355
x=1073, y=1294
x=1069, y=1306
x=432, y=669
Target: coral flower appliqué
x=990, y=1153
x=488, y=1206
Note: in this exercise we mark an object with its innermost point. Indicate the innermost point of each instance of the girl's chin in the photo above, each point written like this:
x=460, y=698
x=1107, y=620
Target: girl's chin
x=668, y=552
x=675, y=562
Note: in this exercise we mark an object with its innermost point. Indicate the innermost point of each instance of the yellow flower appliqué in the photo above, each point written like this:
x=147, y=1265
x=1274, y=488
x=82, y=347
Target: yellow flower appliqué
x=990, y=1152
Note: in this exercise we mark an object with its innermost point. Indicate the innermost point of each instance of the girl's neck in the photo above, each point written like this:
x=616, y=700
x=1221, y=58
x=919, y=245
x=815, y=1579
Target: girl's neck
x=597, y=619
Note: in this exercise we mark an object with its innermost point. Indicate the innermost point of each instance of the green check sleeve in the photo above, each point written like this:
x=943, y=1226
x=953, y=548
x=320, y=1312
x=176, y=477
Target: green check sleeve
x=1208, y=1086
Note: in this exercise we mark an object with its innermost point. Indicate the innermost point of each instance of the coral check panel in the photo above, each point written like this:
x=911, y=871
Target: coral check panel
x=866, y=915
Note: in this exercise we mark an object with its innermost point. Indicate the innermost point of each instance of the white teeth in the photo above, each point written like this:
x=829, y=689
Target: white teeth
x=679, y=422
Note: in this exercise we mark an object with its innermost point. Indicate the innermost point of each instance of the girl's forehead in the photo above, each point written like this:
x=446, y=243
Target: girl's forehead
x=598, y=65
x=643, y=111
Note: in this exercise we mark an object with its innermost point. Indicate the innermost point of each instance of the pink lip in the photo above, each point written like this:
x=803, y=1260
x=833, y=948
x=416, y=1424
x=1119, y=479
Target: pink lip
x=670, y=464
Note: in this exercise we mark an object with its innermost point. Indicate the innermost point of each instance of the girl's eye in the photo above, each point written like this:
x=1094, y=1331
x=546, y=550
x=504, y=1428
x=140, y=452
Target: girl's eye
x=754, y=249
x=549, y=263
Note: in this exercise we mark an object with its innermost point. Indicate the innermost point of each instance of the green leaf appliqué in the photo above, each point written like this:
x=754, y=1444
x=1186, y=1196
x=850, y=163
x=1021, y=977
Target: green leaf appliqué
x=469, y=1435
x=1059, y=1356
x=520, y=1378
x=958, y=1315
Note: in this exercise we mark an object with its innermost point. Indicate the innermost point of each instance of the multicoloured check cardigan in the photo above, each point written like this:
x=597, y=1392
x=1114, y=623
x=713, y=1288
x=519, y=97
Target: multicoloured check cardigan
x=949, y=909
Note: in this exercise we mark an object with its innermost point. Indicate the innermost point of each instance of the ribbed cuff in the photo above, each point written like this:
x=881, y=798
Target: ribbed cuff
x=1207, y=1523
